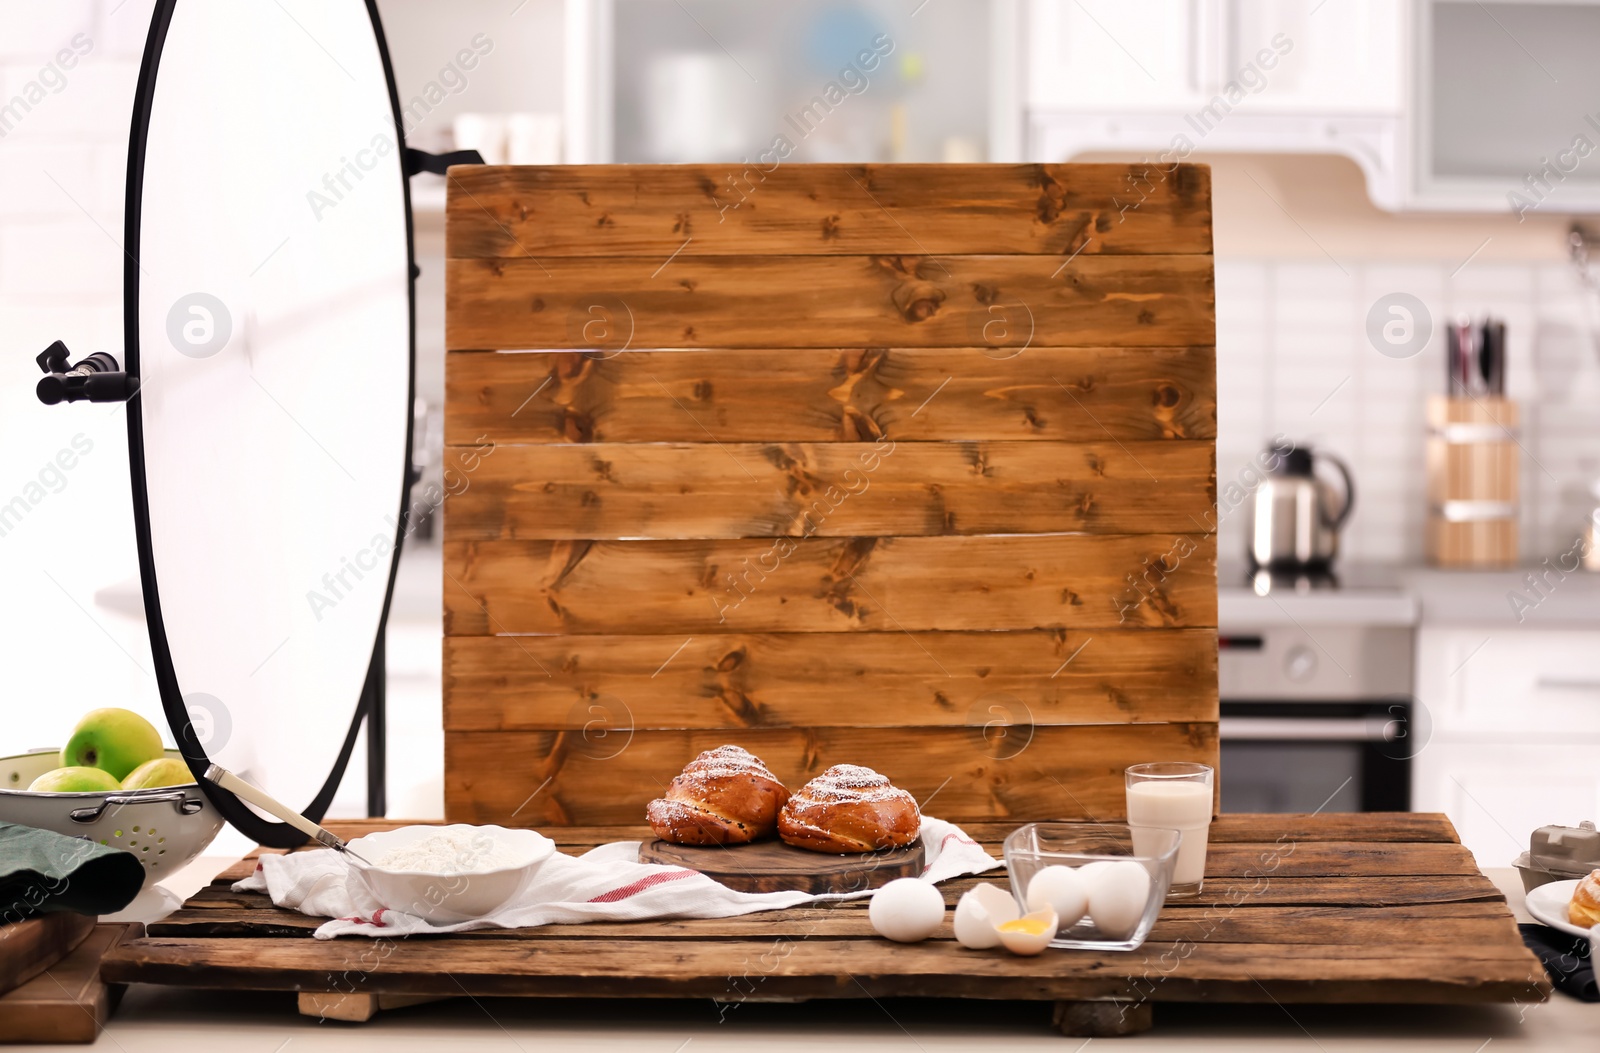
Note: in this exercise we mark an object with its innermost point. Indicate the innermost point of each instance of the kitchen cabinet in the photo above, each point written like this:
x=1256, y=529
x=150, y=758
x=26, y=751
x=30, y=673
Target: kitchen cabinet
x=1176, y=76
x=1177, y=55
x=1521, y=138
x=1514, y=742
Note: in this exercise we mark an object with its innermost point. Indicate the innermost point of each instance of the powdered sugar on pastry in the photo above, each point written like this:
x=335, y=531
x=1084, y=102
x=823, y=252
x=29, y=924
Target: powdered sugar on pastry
x=852, y=782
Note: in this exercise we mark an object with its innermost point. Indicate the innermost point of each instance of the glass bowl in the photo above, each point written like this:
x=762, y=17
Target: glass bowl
x=1031, y=848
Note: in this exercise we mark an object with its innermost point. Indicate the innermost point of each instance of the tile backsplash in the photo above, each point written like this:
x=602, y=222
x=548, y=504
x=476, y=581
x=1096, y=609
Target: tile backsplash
x=1293, y=357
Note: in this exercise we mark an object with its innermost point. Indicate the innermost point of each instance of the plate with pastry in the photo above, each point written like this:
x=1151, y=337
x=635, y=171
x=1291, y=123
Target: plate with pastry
x=1571, y=906
x=848, y=830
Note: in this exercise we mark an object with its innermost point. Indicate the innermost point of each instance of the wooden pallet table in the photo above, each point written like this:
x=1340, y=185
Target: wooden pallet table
x=1296, y=909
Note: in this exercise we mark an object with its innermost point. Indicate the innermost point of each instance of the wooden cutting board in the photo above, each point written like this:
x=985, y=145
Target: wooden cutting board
x=69, y=1002
x=29, y=947
x=772, y=866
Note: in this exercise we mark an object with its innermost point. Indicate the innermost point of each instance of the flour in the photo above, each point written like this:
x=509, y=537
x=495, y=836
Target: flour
x=451, y=852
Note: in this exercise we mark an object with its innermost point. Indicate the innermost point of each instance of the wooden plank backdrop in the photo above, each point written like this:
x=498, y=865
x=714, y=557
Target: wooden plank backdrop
x=907, y=466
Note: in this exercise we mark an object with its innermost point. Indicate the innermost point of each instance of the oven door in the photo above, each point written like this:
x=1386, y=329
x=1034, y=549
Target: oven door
x=1317, y=756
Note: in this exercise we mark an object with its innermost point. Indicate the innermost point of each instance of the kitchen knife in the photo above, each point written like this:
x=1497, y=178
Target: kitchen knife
x=224, y=778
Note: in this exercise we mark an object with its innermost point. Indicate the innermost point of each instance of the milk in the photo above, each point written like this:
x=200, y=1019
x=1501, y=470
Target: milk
x=1175, y=805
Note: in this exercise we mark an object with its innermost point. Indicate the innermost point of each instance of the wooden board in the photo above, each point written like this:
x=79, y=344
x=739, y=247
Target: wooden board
x=1056, y=581
x=595, y=305
x=654, y=210
x=69, y=1002
x=30, y=946
x=606, y=771
x=1042, y=394
x=858, y=470
x=754, y=680
x=1296, y=909
x=772, y=866
x=741, y=490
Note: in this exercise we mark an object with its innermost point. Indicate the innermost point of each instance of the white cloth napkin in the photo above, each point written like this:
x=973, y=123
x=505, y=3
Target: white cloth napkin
x=605, y=884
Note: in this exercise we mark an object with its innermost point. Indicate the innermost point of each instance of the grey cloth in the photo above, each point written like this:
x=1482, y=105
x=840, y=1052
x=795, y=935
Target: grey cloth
x=42, y=871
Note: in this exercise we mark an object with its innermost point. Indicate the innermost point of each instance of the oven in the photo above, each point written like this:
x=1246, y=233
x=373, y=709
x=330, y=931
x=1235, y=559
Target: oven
x=1317, y=718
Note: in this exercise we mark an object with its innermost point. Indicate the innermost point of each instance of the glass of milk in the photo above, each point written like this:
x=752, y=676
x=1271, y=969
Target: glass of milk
x=1170, y=795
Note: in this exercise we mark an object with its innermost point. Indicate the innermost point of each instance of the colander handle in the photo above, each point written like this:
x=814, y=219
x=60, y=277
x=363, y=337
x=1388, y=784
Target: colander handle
x=180, y=798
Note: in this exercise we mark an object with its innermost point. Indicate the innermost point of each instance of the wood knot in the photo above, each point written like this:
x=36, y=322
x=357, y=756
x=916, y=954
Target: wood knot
x=916, y=307
x=1167, y=396
x=830, y=228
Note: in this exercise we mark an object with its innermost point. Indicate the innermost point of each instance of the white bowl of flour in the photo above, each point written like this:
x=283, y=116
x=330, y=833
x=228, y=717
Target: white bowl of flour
x=449, y=874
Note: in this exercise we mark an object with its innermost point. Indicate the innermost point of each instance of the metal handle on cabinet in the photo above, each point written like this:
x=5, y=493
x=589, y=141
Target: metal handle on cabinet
x=1563, y=683
x=1302, y=729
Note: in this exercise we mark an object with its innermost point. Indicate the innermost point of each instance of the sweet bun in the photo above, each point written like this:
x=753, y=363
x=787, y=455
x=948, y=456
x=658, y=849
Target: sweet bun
x=725, y=796
x=1584, y=910
x=849, y=808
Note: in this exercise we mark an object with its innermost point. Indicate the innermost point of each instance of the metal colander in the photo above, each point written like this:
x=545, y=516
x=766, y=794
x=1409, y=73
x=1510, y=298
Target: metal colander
x=164, y=827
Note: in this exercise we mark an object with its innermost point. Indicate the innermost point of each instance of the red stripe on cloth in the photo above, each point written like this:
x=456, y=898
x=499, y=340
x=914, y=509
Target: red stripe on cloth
x=957, y=837
x=377, y=918
x=643, y=883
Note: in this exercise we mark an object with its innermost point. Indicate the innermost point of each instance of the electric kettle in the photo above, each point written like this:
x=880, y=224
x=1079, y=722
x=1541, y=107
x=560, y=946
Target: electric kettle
x=1294, y=517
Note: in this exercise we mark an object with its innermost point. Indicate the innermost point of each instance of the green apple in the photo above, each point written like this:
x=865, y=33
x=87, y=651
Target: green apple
x=164, y=771
x=75, y=780
x=114, y=740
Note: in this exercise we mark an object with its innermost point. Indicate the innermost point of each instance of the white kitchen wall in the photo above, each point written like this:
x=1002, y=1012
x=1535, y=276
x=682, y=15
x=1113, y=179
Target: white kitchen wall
x=1302, y=255
x=1293, y=357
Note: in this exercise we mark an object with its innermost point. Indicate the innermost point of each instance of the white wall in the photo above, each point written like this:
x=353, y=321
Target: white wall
x=68, y=645
x=1301, y=257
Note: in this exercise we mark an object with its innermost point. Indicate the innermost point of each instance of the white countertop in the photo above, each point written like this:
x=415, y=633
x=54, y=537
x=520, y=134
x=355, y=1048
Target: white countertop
x=1408, y=596
x=170, y=1020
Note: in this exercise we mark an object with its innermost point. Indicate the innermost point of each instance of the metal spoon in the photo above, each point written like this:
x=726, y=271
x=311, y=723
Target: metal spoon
x=224, y=778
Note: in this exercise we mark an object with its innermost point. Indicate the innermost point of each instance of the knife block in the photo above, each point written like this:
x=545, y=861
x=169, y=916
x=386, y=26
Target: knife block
x=1472, y=481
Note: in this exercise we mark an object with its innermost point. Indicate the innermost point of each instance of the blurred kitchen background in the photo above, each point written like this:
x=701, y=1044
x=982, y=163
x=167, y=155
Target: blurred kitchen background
x=1441, y=149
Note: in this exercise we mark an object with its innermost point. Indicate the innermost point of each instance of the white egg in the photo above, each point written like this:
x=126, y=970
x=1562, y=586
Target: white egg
x=1063, y=890
x=1030, y=933
x=978, y=911
x=906, y=910
x=1118, y=894
x=1093, y=868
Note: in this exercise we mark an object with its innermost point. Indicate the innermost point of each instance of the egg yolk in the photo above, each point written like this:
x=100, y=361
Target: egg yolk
x=1030, y=925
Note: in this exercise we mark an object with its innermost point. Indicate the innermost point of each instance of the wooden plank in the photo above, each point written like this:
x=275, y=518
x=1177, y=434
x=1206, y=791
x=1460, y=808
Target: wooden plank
x=1334, y=826
x=68, y=1002
x=542, y=778
x=695, y=210
x=736, y=680
x=828, y=395
x=738, y=490
x=855, y=968
x=1438, y=924
x=30, y=946
x=1269, y=860
x=1002, y=302
x=829, y=584
x=219, y=912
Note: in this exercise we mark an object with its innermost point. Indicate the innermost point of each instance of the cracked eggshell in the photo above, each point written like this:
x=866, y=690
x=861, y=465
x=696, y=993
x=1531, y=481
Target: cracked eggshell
x=980, y=909
x=1030, y=933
